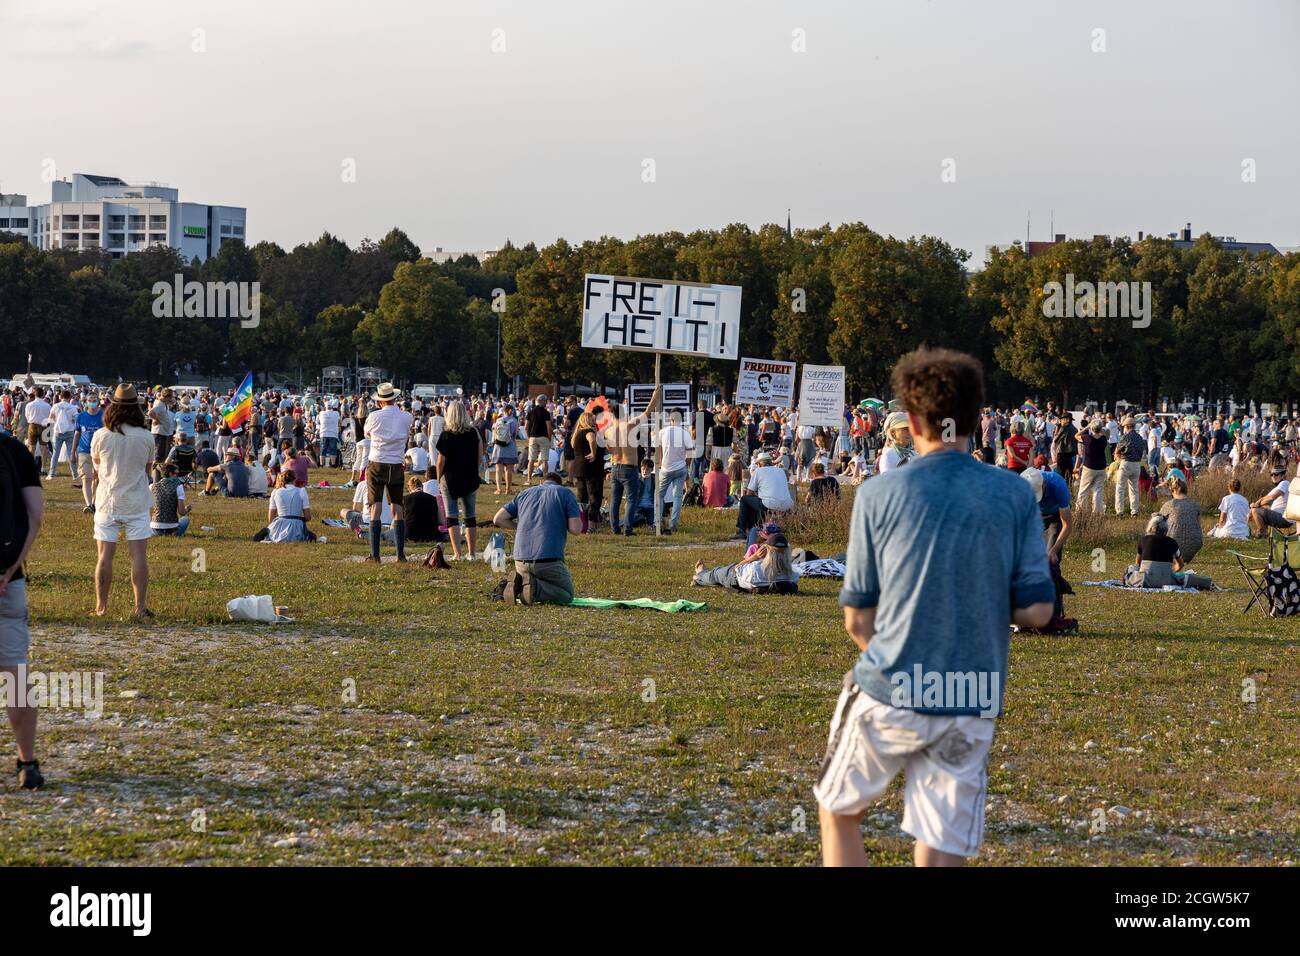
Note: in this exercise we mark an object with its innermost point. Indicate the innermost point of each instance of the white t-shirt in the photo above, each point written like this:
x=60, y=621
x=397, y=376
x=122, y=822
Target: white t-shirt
x=807, y=432
x=771, y=485
x=65, y=418
x=1278, y=504
x=436, y=424
x=1112, y=432
x=388, y=429
x=165, y=423
x=418, y=458
x=1236, y=508
x=890, y=459
x=675, y=441
x=328, y=423
x=257, y=483
x=363, y=455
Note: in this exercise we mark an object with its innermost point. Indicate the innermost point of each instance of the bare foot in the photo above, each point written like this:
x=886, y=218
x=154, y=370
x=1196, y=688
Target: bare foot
x=100, y=611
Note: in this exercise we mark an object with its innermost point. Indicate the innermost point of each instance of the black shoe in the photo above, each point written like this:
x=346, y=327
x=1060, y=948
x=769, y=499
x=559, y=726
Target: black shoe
x=738, y=536
x=29, y=775
x=499, y=592
x=513, y=590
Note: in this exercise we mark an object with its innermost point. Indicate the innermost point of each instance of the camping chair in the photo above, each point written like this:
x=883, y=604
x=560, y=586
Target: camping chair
x=1282, y=549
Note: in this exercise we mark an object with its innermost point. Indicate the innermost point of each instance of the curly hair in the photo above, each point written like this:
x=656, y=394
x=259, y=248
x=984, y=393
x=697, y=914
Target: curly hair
x=940, y=386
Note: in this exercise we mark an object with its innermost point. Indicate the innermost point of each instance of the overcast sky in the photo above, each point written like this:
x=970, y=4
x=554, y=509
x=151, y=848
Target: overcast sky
x=462, y=146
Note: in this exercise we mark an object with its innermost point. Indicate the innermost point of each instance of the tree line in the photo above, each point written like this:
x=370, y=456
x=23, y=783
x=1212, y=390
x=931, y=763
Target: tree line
x=1220, y=323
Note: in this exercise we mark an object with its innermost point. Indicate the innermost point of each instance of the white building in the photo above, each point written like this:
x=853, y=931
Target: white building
x=121, y=218
x=441, y=255
x=15, y=216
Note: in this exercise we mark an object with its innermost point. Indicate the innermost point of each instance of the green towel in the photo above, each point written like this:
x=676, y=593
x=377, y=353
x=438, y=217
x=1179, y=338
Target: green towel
x=671, y=607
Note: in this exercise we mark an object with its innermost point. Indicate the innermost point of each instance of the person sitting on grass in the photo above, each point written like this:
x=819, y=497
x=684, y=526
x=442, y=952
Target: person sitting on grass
x=1234, y=514
x=183, y=455
x=1183, y=515
x=1158, y=557
x=820, y=486
x=421, y=509
x=1269, y=509
x=767, y=570
x=288, y=513
x=258, y=484
x=716, y=486
x=171, y=513
x=771, y=493
x=231, y=476
x=542, y=518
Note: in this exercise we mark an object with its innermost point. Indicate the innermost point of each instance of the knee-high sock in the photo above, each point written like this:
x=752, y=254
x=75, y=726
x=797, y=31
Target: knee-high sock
x=399, y=536
x=376, y=529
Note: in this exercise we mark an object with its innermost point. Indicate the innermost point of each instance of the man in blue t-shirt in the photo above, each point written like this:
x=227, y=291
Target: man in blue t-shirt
x=542, y=517
x=1053, y=496
x=89, y=420
x=944, y=556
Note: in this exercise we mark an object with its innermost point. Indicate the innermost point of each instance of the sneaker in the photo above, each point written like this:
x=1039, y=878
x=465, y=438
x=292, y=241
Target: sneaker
x=29, y=775
x=88, y=510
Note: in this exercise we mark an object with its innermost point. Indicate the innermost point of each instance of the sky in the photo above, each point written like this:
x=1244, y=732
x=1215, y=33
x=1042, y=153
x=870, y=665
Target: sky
x=467, y=123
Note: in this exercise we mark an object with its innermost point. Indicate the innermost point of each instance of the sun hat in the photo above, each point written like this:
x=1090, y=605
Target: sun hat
x=125, y=394
x=763, y=456
x=895, y=420
x=1129, y=421
x=1035, y=479
x=386, y=392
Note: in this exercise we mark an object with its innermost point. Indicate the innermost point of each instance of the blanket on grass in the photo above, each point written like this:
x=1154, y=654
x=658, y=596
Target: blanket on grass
x=1119, y=585
x=820, y=568
x=670, y=607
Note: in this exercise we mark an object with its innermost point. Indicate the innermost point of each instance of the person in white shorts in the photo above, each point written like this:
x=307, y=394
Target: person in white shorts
x=122, y=453
x=944, y=555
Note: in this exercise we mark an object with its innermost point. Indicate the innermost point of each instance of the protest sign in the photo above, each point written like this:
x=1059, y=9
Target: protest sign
x=653, y=315
x=821, y=396
x=766, y=382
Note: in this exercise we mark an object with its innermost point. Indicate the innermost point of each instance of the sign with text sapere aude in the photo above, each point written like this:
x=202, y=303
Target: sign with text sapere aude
x=661, y=315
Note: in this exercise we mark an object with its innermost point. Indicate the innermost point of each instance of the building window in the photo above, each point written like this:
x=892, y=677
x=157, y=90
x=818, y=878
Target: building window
x=239, y=230
x=19, y=223
x=137, y=222
x=90, y=237
x=157, y=222
x=71, y=222
x=136, y=237
x=4, y=223
x=90, y=222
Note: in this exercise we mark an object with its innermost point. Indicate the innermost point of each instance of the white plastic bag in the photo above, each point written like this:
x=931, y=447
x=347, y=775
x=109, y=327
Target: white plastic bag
x=252, y=607
x=494, y=553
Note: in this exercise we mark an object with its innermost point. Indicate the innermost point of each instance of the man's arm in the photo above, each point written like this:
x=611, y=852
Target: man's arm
x=34, y=499
x=860, y=622
x=1058, y=546
x=502, y=519
x=1036, y=615
x=575, y=526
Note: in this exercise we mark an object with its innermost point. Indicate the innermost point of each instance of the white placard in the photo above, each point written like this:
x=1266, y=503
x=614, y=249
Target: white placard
x=821, y=396
x=660, y=315
x=766, y=382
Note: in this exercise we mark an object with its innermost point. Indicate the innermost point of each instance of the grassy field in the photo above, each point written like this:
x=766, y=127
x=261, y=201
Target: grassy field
x=490, y=734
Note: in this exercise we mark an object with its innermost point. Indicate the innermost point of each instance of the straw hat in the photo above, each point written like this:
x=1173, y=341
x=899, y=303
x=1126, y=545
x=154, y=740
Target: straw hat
x=386, y=392
x=125, y=394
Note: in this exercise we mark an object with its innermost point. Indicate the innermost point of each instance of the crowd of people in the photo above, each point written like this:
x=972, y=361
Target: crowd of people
x=948, y=490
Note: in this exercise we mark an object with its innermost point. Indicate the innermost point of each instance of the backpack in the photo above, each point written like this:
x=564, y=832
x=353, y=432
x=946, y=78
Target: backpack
x=501, y=431
x=13, y=512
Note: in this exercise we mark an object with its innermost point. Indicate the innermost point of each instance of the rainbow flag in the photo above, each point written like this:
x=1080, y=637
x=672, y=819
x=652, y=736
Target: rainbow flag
x=240, y=407
x=1031, y=408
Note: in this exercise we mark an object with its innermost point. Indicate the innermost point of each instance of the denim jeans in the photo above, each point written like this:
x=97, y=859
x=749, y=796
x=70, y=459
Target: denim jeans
x=674, y=486
x=626, y=481
x=63, y=440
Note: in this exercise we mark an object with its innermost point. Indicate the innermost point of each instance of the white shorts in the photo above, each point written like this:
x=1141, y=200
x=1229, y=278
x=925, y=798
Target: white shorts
x=134, y=527
x=944, y=759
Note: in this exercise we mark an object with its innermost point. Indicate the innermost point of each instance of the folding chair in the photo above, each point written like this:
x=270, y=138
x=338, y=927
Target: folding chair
x=1282, y=549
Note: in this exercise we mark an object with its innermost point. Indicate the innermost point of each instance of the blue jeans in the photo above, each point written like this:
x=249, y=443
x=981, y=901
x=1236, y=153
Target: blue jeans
x=626, y=480
x=63, y=440
x=675, y=486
